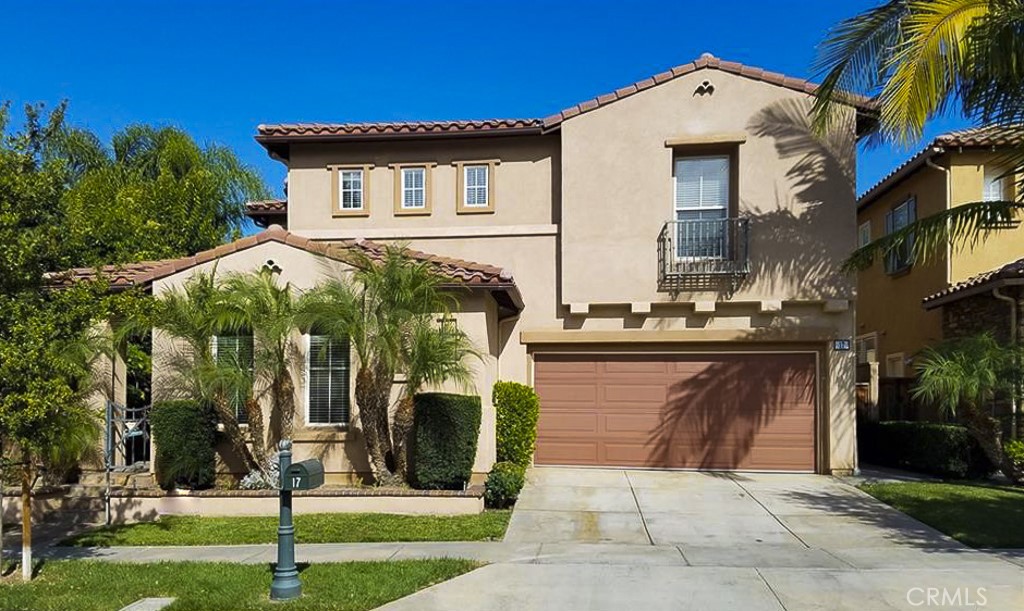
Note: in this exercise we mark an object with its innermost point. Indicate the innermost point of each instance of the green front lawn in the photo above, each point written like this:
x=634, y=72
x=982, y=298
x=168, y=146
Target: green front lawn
x=85, y=585
x=974, y=514
x=309, y=528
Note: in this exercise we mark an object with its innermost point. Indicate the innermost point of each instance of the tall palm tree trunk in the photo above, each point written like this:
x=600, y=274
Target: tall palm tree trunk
x=373, y=393
x=284, y=401
x=987, y=432
x=26, y=515
x=235, y=435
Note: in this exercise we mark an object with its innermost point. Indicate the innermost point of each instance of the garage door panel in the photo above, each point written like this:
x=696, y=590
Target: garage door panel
x=712, y=411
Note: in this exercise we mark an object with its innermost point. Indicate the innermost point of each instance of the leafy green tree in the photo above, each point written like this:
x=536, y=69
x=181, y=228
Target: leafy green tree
x=919, y=59
x=963, y=377
x=387, y=310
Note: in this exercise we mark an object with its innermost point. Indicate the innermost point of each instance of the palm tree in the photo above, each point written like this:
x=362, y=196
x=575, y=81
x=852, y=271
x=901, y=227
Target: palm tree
x=917, y=59
x=383, y=308
x=965, y=375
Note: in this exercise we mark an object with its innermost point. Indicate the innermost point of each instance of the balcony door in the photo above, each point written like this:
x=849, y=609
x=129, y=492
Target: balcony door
x=702, y=207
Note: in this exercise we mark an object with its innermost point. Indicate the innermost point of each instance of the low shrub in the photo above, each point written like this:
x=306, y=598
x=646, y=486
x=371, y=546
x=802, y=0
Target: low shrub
x=503, y=484
x=944, y=450
x=445, y=432
x=1015, y=452
x=517, y=408
x=184, y=433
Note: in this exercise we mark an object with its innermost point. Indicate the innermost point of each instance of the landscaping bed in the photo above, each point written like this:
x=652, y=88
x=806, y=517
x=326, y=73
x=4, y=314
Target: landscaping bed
x=309, y=528
x=978, y=515
x=87, y=585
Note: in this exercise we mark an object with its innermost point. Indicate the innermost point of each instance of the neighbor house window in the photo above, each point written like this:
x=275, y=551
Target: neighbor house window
x=414, y=188
x=475, y=189
x=900, y=259
x=995, y=185
x=350, y=190
x=702, y=206
x=867, y=349
x=895, y=365
x=236, y=351
x=327, y=380
x=864, y=234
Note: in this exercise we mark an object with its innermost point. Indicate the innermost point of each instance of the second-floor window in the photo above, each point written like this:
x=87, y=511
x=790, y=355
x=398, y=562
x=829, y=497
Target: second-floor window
x=864, y=234
x=475, y=180
x=702, y=206
x=351, y=189
x=900, y=259
x=995, y=185
x=414, y=188
x=236, y=352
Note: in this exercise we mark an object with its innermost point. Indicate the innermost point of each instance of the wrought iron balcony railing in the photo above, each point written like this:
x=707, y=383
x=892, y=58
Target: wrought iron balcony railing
x=709, y=248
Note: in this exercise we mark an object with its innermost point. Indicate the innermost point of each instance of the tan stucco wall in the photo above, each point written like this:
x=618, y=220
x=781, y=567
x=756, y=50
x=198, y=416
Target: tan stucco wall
x=997, y=247
x=523, y=183
x=617, y=191
x=342, y=451
x=890, y=305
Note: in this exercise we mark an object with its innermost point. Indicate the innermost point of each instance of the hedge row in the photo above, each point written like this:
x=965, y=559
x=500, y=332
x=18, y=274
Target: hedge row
x=517, y=409
x=184, y=433
x=445, y=432
x=939, y=449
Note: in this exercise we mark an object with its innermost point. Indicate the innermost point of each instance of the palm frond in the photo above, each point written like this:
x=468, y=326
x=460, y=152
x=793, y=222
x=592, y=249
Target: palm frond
x=971, y=370
x=960, y=227
x=993, y=86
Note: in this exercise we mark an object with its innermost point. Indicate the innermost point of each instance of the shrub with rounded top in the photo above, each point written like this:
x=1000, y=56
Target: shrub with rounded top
x=517, y=409
x=503, y=484
x=185, y=433
x=945, y=450
x=446, y=428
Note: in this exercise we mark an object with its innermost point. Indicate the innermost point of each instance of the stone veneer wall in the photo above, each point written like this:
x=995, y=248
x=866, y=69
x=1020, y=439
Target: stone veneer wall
x=979, y=313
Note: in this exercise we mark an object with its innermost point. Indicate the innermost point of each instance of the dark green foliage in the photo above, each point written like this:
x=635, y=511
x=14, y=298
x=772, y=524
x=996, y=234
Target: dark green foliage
x=517, y=408
x=445, y=432
x=504, y=482
x=184, y=433
x=938, y=449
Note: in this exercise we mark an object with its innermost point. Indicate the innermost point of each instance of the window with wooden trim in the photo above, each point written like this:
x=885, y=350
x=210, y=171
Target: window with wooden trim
x=236, y=352
x=474, y=186
x=900, y=259
x=414, y=188
x=350, y=190
x=327, y=381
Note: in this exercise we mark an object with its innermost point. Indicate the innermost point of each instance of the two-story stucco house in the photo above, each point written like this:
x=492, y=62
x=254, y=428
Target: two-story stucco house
x=892, y=326
x=661, y=262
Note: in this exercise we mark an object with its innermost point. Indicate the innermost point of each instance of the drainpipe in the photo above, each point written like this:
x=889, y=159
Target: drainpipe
x=1014, y=305
x=949, y=204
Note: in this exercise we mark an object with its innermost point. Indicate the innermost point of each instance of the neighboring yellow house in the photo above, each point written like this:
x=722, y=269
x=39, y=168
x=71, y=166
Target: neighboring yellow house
x=663, y=263
x=955, y=169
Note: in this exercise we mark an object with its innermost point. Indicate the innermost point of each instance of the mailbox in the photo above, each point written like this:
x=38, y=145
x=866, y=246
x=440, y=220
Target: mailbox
x=303, y=475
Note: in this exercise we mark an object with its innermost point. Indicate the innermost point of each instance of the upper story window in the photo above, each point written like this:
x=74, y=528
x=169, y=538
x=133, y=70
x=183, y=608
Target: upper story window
x=867, y=348
x=995, y=185
x=864, y=234
x=236, y=351
x=327, y=381
x=702, y=206
x=412, y=188
x=350, y=190
x=904, y=214
x=475, y=189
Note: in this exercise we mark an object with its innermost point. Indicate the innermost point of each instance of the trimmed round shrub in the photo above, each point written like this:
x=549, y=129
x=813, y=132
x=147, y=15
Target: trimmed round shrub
x=185, y=435
x=944, y=450
x=517, y=408
x=503, y=484
x=446, y=428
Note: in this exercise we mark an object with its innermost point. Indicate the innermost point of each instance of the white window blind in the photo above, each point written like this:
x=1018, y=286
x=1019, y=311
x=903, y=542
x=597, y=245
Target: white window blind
x=351, y=189
x=702, y=188
x=476, y=185
x=413, y=188
x=236, y=351
x=994, y=185
x=327, y=381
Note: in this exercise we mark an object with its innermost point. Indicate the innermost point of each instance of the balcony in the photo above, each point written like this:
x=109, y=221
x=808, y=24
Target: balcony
x=703, y=254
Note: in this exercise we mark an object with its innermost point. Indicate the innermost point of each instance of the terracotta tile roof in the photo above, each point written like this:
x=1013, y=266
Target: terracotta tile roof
x=395, y=128
x=985, y=136
x=458, y=271
x=1011, y=271
x=705, y=61
x=266, y=207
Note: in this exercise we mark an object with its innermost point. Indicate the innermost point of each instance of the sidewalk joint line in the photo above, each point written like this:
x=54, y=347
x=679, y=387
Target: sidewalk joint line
x=771, y=589
x=771, y=513
x=639, y=511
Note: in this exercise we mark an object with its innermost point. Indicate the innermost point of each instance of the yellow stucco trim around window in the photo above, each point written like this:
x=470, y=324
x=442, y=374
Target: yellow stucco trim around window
x=460, y=186
x=428, y=187
x=335, y=170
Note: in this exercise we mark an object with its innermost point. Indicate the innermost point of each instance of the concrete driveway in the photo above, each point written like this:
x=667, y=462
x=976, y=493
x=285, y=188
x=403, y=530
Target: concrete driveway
x=614, y=539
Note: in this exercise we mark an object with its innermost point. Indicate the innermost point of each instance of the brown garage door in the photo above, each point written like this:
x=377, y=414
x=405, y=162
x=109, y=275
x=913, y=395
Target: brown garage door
x=700, y=411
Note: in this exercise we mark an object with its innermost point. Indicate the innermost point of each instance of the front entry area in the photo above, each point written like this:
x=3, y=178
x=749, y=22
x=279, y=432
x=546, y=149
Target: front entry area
x=729, y=411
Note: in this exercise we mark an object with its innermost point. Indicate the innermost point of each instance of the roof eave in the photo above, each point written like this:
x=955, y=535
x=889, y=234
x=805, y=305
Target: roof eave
x=984, y=287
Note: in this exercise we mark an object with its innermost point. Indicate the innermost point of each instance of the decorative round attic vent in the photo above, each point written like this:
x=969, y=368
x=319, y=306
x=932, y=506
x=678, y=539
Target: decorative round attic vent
x=705, y=88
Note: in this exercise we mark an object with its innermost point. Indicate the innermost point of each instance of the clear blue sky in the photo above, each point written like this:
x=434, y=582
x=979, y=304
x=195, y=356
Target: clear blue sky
x=218, y=69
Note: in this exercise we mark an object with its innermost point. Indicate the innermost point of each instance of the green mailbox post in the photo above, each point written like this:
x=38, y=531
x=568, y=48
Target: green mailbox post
x=303, y=475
